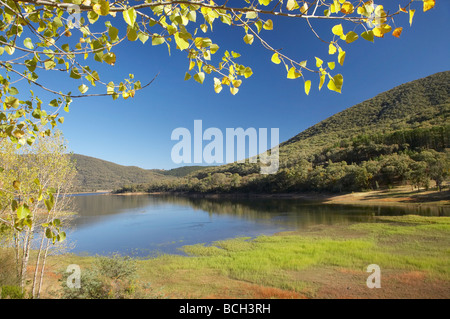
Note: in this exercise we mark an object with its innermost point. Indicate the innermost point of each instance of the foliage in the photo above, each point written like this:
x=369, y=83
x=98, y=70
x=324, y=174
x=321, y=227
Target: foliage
x=94, y=174
x=42, y=36
x=112, y=277
x=33, y=181
x=12, y=292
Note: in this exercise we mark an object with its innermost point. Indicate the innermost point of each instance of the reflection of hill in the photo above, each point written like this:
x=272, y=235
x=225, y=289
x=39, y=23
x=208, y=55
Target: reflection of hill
x=295, y=211
x=283, y=211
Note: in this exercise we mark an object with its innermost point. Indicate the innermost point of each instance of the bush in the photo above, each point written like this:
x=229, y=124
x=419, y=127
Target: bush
x=12, y=292
x=109, y=278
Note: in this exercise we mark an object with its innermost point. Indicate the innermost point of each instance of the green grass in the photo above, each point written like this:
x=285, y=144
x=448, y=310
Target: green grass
x=396, y=244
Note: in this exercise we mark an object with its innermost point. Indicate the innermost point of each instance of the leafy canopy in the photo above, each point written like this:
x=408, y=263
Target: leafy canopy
x=59, y=36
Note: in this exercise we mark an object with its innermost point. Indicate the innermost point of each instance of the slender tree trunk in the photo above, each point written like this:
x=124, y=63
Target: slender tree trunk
x=41, y=279
x=36, y=269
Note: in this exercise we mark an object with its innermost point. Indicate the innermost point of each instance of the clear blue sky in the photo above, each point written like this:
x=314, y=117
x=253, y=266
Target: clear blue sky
x=137, y=131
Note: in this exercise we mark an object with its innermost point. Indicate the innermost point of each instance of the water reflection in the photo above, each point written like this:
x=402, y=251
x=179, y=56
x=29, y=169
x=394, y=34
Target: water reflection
x=147, y=225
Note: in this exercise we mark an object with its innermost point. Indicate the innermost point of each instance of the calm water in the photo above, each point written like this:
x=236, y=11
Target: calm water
x=143, y=225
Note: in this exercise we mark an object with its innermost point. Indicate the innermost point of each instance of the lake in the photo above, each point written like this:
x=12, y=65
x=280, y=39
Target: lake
x=148, y=225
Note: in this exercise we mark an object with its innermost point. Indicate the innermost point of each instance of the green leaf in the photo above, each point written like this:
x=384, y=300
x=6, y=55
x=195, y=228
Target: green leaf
x=143, y=37
x=23, y=211
x=14, y=205
x=75, y=74
x=199, y=77
x=113, y=34
x=109, y=58
x=48, y=233
x=187, y=76
x=351, y=37
x=130, y=16
x=132, y=34
x=61, y=236
x=49, y=64
x=83, y=88
x=16, y=185
x=13, y=91
x=181, y=42
x=368, y=35
x=28, y=43
x=157, y=40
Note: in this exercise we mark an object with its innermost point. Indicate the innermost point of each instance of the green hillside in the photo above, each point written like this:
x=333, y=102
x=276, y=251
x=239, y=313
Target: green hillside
x=96, y=174
x=399, y=136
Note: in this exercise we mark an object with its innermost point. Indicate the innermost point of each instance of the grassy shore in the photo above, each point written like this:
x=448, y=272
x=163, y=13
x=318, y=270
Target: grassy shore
x=322, y=261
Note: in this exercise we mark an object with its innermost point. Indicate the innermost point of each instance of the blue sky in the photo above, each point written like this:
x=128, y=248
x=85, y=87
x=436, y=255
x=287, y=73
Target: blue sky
x=137, y=131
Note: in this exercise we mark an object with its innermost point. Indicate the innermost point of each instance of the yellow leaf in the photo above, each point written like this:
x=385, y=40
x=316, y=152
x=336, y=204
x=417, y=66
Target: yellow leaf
x=319, y=62
x=347, y=8
x=322, y=80
x=16, y=185
x=331, y=65
x=361, y=10
x=292, y=5
x=428, y=4
x=237, y=83
x=225, y=81
x=233, y=90
x=331, y=49
x=381, y=30
x=402, y=9
x=276, y=59
x=307, y=87
x=411, y=15
x=335, y=83
x=268, y=25
x=397, y=32
x=248, y=38
x=341, y=57
x=217, y=85
x=304, y=8
x=337, y=30
x=101, y=8
x=293, y=74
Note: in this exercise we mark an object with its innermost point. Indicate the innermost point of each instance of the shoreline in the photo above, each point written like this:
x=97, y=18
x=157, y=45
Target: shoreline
x=399, y=196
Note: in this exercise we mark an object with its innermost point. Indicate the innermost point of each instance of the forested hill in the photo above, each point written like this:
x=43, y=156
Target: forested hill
x=421, y=103
x=417, y=102
x=399, y=136
x=96, y=174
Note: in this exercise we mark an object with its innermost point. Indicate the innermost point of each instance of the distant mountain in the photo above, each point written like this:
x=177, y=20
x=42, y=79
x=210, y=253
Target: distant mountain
x=95, y=174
